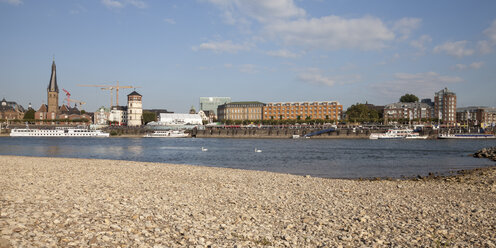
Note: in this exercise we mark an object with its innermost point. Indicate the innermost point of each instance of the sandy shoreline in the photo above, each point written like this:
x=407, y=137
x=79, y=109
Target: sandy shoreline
x=61, y=202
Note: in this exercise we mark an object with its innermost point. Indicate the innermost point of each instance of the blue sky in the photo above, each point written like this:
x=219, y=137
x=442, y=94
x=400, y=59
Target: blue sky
x=278, y=50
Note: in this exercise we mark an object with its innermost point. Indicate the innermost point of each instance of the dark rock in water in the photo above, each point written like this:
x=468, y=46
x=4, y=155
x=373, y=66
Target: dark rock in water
x=489, y=153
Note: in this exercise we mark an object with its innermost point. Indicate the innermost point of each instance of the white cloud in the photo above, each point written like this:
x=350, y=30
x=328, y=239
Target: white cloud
x=260, y=10
x=119, y=4
x=406, y=25
x=333, y=32
x=12, y=2
x=283, y=54
x=170, y=21
x=422, y=84
x=222, y=46
x=112, y=4
x=474, y=65
x=421, y=43
x=316, y=77
x=491, y=32
x=137, y=3
x=484, y=47
x=460, y=67
x=456, y=49
x=248, y=68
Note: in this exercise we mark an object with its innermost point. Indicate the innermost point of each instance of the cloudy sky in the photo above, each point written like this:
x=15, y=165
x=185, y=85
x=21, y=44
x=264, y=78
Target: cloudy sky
x=277, y=50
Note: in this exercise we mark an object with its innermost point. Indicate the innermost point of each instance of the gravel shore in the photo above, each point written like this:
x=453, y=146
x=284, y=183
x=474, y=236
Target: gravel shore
x=61, y=202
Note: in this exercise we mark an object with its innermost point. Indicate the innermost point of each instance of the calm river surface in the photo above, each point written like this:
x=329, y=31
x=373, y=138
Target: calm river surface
x=334, y=158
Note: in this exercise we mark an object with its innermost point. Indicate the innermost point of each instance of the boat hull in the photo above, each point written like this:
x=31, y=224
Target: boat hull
x=57, y=133
x=467, y=136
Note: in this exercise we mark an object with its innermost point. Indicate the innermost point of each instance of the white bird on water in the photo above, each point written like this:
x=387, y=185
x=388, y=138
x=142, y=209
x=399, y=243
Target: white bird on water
x=258, y=150
x=204, y=149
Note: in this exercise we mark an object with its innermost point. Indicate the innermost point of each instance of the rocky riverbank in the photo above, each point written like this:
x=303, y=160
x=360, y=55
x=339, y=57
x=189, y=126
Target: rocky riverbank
x=489, y=153
x=60, y=202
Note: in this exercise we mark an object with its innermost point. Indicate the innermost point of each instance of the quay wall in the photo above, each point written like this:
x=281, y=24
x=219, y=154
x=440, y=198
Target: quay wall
x=284, y=133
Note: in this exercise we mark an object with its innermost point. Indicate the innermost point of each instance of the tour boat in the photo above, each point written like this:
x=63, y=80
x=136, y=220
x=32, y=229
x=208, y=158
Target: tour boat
x=467, y=136
x=392, y=134
x=58, y=132
x=167, y=134
x=416, y=136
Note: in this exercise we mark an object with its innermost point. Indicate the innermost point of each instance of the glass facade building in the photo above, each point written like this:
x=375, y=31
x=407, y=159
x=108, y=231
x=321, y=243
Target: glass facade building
x=212, y=103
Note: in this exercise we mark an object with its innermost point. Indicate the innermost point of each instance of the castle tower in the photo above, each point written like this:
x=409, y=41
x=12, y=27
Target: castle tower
x=53, y=95
x=134, y=109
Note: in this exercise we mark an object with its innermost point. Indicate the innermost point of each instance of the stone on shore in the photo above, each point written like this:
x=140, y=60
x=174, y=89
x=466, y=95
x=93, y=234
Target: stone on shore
x=61, y=202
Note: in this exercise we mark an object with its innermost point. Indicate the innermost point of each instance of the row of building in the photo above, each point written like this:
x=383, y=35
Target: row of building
x=222, y=109
x=443, y=109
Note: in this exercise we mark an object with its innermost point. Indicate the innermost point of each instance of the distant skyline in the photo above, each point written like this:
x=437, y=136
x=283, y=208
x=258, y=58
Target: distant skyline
x=249, y=50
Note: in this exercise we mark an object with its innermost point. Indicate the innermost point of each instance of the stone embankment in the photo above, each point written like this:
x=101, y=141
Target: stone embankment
x=61, y=202
x=489, y=153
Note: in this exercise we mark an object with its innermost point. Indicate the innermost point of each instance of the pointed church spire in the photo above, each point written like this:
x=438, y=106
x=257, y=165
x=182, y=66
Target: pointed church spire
x=52, y=87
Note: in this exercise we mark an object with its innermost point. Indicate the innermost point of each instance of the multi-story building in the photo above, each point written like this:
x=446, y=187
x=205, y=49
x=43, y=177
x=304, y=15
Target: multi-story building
x=407, y=111
x=134, y=109
x=11, y=110
x=240, y=111
x=476, y=116
x=101, y=116
x=212, y=103
x=445, y=107
x=330, y=110
x=118, y=115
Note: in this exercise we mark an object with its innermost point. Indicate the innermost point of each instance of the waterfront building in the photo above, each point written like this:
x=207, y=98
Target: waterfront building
x=101, y=116
x=328, y=110
x=476, y=116
x=445, y=107
x=207, y=116
x=11, y=110
x=180, y=119
x=407, y=111
x=429, y=102
x=118, y=115
x=134, y=109
x=177, y=121
x=240, y=111
x=212, y=103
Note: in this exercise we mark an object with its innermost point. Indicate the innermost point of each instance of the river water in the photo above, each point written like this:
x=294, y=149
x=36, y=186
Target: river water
x=333, y=158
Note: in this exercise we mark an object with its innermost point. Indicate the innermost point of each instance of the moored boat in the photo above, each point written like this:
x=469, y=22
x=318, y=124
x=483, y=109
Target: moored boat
x=167, y=134
x=467, y=136
x=416, y=136
x=58, y=132
x=392, y=134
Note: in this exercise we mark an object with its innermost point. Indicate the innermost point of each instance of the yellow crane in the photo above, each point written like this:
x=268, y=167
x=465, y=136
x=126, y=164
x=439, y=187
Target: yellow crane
x=111, y=88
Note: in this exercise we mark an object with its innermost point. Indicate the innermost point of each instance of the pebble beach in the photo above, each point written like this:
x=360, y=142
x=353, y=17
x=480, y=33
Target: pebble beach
x=64, y=202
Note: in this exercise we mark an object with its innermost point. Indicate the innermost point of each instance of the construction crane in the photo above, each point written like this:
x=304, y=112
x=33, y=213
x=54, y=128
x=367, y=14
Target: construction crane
x=111, y=88
x=77, y=102
x=68, y=97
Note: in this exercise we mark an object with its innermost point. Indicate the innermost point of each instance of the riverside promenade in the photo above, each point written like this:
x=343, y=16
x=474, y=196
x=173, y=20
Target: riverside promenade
x=61, y=202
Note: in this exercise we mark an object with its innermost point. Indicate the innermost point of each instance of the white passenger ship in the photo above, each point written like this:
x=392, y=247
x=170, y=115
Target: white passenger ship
x=59, y=132
x=397, y=134
x=167, y=134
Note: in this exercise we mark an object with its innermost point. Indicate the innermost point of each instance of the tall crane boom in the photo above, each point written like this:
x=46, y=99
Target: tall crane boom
x=111, y=88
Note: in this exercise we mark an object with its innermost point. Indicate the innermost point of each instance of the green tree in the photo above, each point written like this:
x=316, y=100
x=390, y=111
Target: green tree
x=409, y=98
x=149, y=117
x=361, y=113
x=29, y=115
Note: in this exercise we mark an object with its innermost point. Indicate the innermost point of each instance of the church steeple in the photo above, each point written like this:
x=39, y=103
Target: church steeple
x=52, y=87
x=53, y=95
